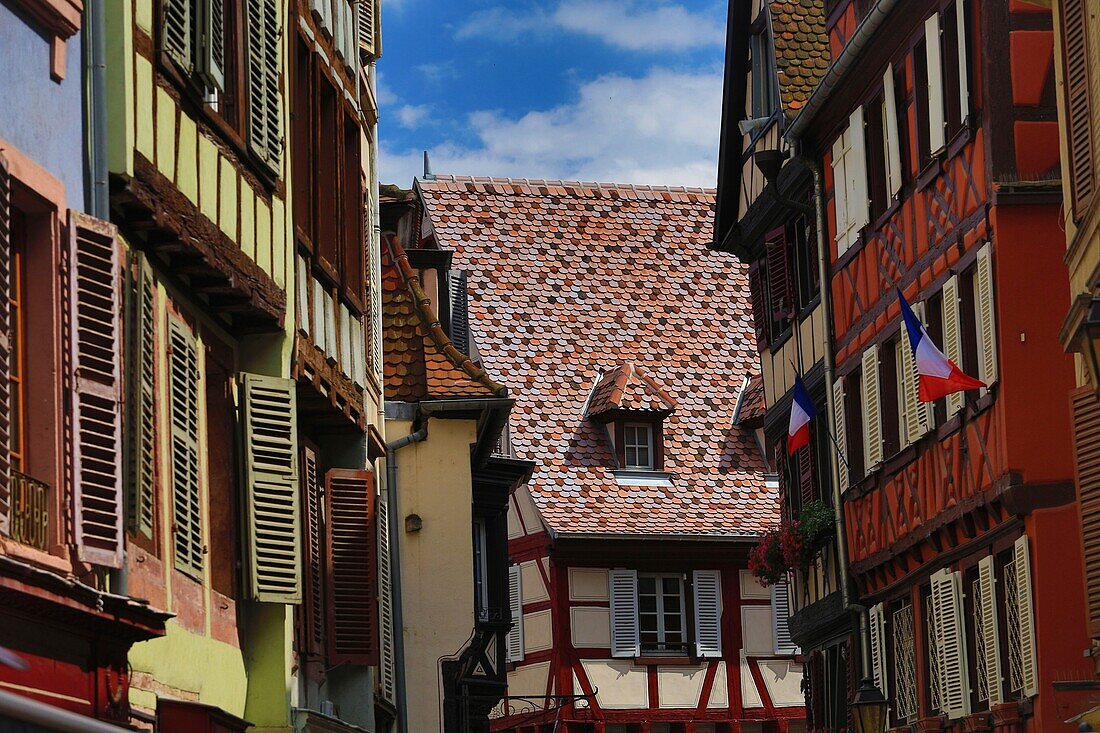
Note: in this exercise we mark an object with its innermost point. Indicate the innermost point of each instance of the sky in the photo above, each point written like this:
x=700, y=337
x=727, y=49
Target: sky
x=616, y=91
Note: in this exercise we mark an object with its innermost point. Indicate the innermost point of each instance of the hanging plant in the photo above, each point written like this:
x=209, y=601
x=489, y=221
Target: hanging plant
x=793, y=545
x=766, y=559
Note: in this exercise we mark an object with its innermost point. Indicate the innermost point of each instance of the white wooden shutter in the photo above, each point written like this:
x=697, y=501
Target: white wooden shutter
x=961, y=7
x=708, y=612
x=1026, y=615
x=387, y=663
x=840, y=433
x=271, y=489
x=933, y=56
x=840, y=184
x=891, y=138
x=625, y=641
x=951, y=643
x=781, y=617
x=264, y=41
x=872, y=415
x=322, y=11
x=985, y=316
x=855, y=167
x=177, y=25
x=952, y=336
x=918, y=415
x=876, y=617
x=95, y=332
x=212, y=46
x=515, y=602
x=319, y=326
x=992, y=641
x=183, y=402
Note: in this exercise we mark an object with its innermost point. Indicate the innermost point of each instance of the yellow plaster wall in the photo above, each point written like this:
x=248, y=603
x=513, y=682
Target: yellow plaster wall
x=803, y=348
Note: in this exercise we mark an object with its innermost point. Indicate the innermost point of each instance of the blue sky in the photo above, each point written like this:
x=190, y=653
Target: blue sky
x=625, y=91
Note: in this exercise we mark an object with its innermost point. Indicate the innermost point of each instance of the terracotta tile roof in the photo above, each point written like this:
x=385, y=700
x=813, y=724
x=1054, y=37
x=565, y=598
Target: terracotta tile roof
x=628, y=387
x=568, y=280
x=420, y=362
x=752, y=408
x=801, y=49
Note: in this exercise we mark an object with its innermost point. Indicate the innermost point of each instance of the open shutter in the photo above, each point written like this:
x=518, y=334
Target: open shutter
x=840, y=193
x=708, y=613
x=1078, y=104
x=1026, y=615
x=933, y=57
x=460, y=325
x=872, y=416
x=806, y=488
x=314, y=550
x=183, y=402
x=322, y=11
x=855, y=167
x=892, y=138
x=271, y=489
x=759, y=308
x=142, y=390
x=876, y=617
x=177, y=25
x=212, y=66
x=5, y=347
x=515, y=603
x=961, y=8
x=781, y=617
x=985, y=316
x=264, y=127
x=387, y=663
x=987, y=606
x=1086, y=440
x=349, y=534
x=96, y=330
x=625, y=641
x=840, y=433
x=918, y=415
x=779, y=274
x=952, y=336
x=370, y=36
x=951, y=643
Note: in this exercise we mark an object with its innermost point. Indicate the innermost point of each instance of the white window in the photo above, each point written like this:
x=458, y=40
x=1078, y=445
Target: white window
x=638, y=445
x=661, y=619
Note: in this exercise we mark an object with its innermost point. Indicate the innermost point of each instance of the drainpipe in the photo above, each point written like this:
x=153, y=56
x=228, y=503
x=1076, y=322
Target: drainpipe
x=395, y=577
x=95, y=94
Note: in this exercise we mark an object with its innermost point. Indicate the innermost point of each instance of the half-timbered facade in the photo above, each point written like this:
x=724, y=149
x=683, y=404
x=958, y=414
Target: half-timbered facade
x=630, y=601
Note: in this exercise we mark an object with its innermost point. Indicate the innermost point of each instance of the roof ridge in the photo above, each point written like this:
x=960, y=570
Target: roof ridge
x=431, y=323
x=635, y=188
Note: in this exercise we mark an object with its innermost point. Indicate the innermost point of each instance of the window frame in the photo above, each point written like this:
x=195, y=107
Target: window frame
x=639, y=428
x=480, y=552
x=660, y=647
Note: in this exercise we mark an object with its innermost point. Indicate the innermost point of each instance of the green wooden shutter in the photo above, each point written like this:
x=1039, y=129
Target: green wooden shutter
x=349, y=533
x=5, y=346
x=388, y=663
x=183, y=402
x=141, y=432
x=271, y=489
x=95, y=330
x=314, y=548
x=212, y=47
x=177, y=25
x=264, y=41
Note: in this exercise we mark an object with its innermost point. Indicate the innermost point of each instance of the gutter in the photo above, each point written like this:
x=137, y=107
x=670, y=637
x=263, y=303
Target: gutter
x=746, y=538
x=495, y=409
x=97, y=197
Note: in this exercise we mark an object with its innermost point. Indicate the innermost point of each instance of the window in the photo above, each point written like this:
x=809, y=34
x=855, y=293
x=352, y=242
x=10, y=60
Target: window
x=763, y=74
x=904, y=664
x=876, y=156
x=932, y=699
x=805, y=260
x=481, y=569
x=920, y=90
x=17, y=340
x=638, y=445
x=221, y=478
x=968, y=325
x=661, y=617
x=853, y=413
x=827, y=701
x=890, y=383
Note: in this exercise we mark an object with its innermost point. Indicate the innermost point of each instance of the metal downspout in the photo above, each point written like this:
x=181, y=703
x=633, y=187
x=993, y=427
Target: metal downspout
x=395, y=577
x=95, y=97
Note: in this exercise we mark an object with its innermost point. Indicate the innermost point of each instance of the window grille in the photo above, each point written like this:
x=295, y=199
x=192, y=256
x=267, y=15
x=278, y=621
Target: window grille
x=933, y=658
x=905, y=663
x=1012, y=613
x=979, y=640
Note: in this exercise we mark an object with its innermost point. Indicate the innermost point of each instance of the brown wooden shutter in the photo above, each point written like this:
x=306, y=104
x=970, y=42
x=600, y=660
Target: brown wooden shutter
x=350, y=543
x=183, y=403
x=96, y=330
x=5, y=345
x=779, y=274
x=759, y=309
x=1086, y=440
x=1078, y=115
x=141, y=432
x=314, y=542
x=806, y=474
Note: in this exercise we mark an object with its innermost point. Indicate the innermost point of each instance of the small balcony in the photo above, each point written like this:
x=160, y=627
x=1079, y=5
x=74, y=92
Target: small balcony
x=30, y=511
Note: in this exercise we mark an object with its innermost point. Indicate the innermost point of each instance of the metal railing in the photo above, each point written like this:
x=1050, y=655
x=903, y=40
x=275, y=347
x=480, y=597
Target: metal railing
x=30, y=511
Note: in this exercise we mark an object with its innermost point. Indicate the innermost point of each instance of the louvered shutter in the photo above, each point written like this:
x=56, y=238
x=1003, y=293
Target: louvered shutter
x=1078, y=104
x=515, y=603
x=779, y=274
x=1026, y=616
x=985, y=316
x=918, y=415
x=625, y=641
x=876, y=617
x=855, y=167
x=952, y=336
x=807, y=489
x=951, y=643
x=759, y=314
x=96, y=330
x=840, y=193
x=933, y=57
x=707, y=586
x=891, y=137
x=963, y=39
x=271, y=489
x=370, y=37
x=460, y=325
x=314, y=550
x=264, y=41
x=990, y=637
x=840, y=433
x=781, y=617
x=872, y=415
x=177, y=25
x=142, y=430
x=183, y=402
x=322, y=10
x=5, y=346
x=349, y=531
x=213, y=44
x=388, y=663
x=1086, y=440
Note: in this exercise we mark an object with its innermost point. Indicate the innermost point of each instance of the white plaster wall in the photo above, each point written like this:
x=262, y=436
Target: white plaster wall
x=680, y=687
x=620, y=685
x=783, y=679
x=756, y=630
x=590, y=627
x=751, y=588
x=719, y=691
x=534, y=589
x=588, y=584
x=529, y=679
x=537, y=633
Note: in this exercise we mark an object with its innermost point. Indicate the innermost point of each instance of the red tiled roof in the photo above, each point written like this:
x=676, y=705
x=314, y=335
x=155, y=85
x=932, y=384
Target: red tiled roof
x=752, y=402
x=801, y=49
x=420, y=361
x=627, y=387
x=567, y=279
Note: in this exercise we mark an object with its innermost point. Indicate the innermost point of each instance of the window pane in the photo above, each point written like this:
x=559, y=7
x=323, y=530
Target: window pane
x=672, y=622
x=647, y=604
x=647, y=585
x=671, y=586
x=649, y=639
x=648, y=622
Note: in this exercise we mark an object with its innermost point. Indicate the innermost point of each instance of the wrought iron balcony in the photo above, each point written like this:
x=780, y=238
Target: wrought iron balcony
x=30, y=511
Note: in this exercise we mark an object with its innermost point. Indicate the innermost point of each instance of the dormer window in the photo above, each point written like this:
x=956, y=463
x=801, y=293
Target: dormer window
x=638, y=445
x=632, y=407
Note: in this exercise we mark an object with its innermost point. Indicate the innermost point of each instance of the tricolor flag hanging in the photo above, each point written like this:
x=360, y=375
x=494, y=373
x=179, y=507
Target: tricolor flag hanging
x=802, y=412
x=937, y=376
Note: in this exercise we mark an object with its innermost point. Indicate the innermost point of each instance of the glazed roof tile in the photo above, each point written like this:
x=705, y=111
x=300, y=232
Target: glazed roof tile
x=801, y=49
x=752, y=407
x=628, y=387
x=569, y=281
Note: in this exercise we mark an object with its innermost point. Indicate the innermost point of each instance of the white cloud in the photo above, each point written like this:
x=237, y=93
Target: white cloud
x=626, y=24
x=660, y=128
x=412, y=115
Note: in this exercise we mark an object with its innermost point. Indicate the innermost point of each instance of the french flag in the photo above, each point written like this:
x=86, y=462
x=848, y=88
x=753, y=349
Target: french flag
x=802, y=412
x=937, y=376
